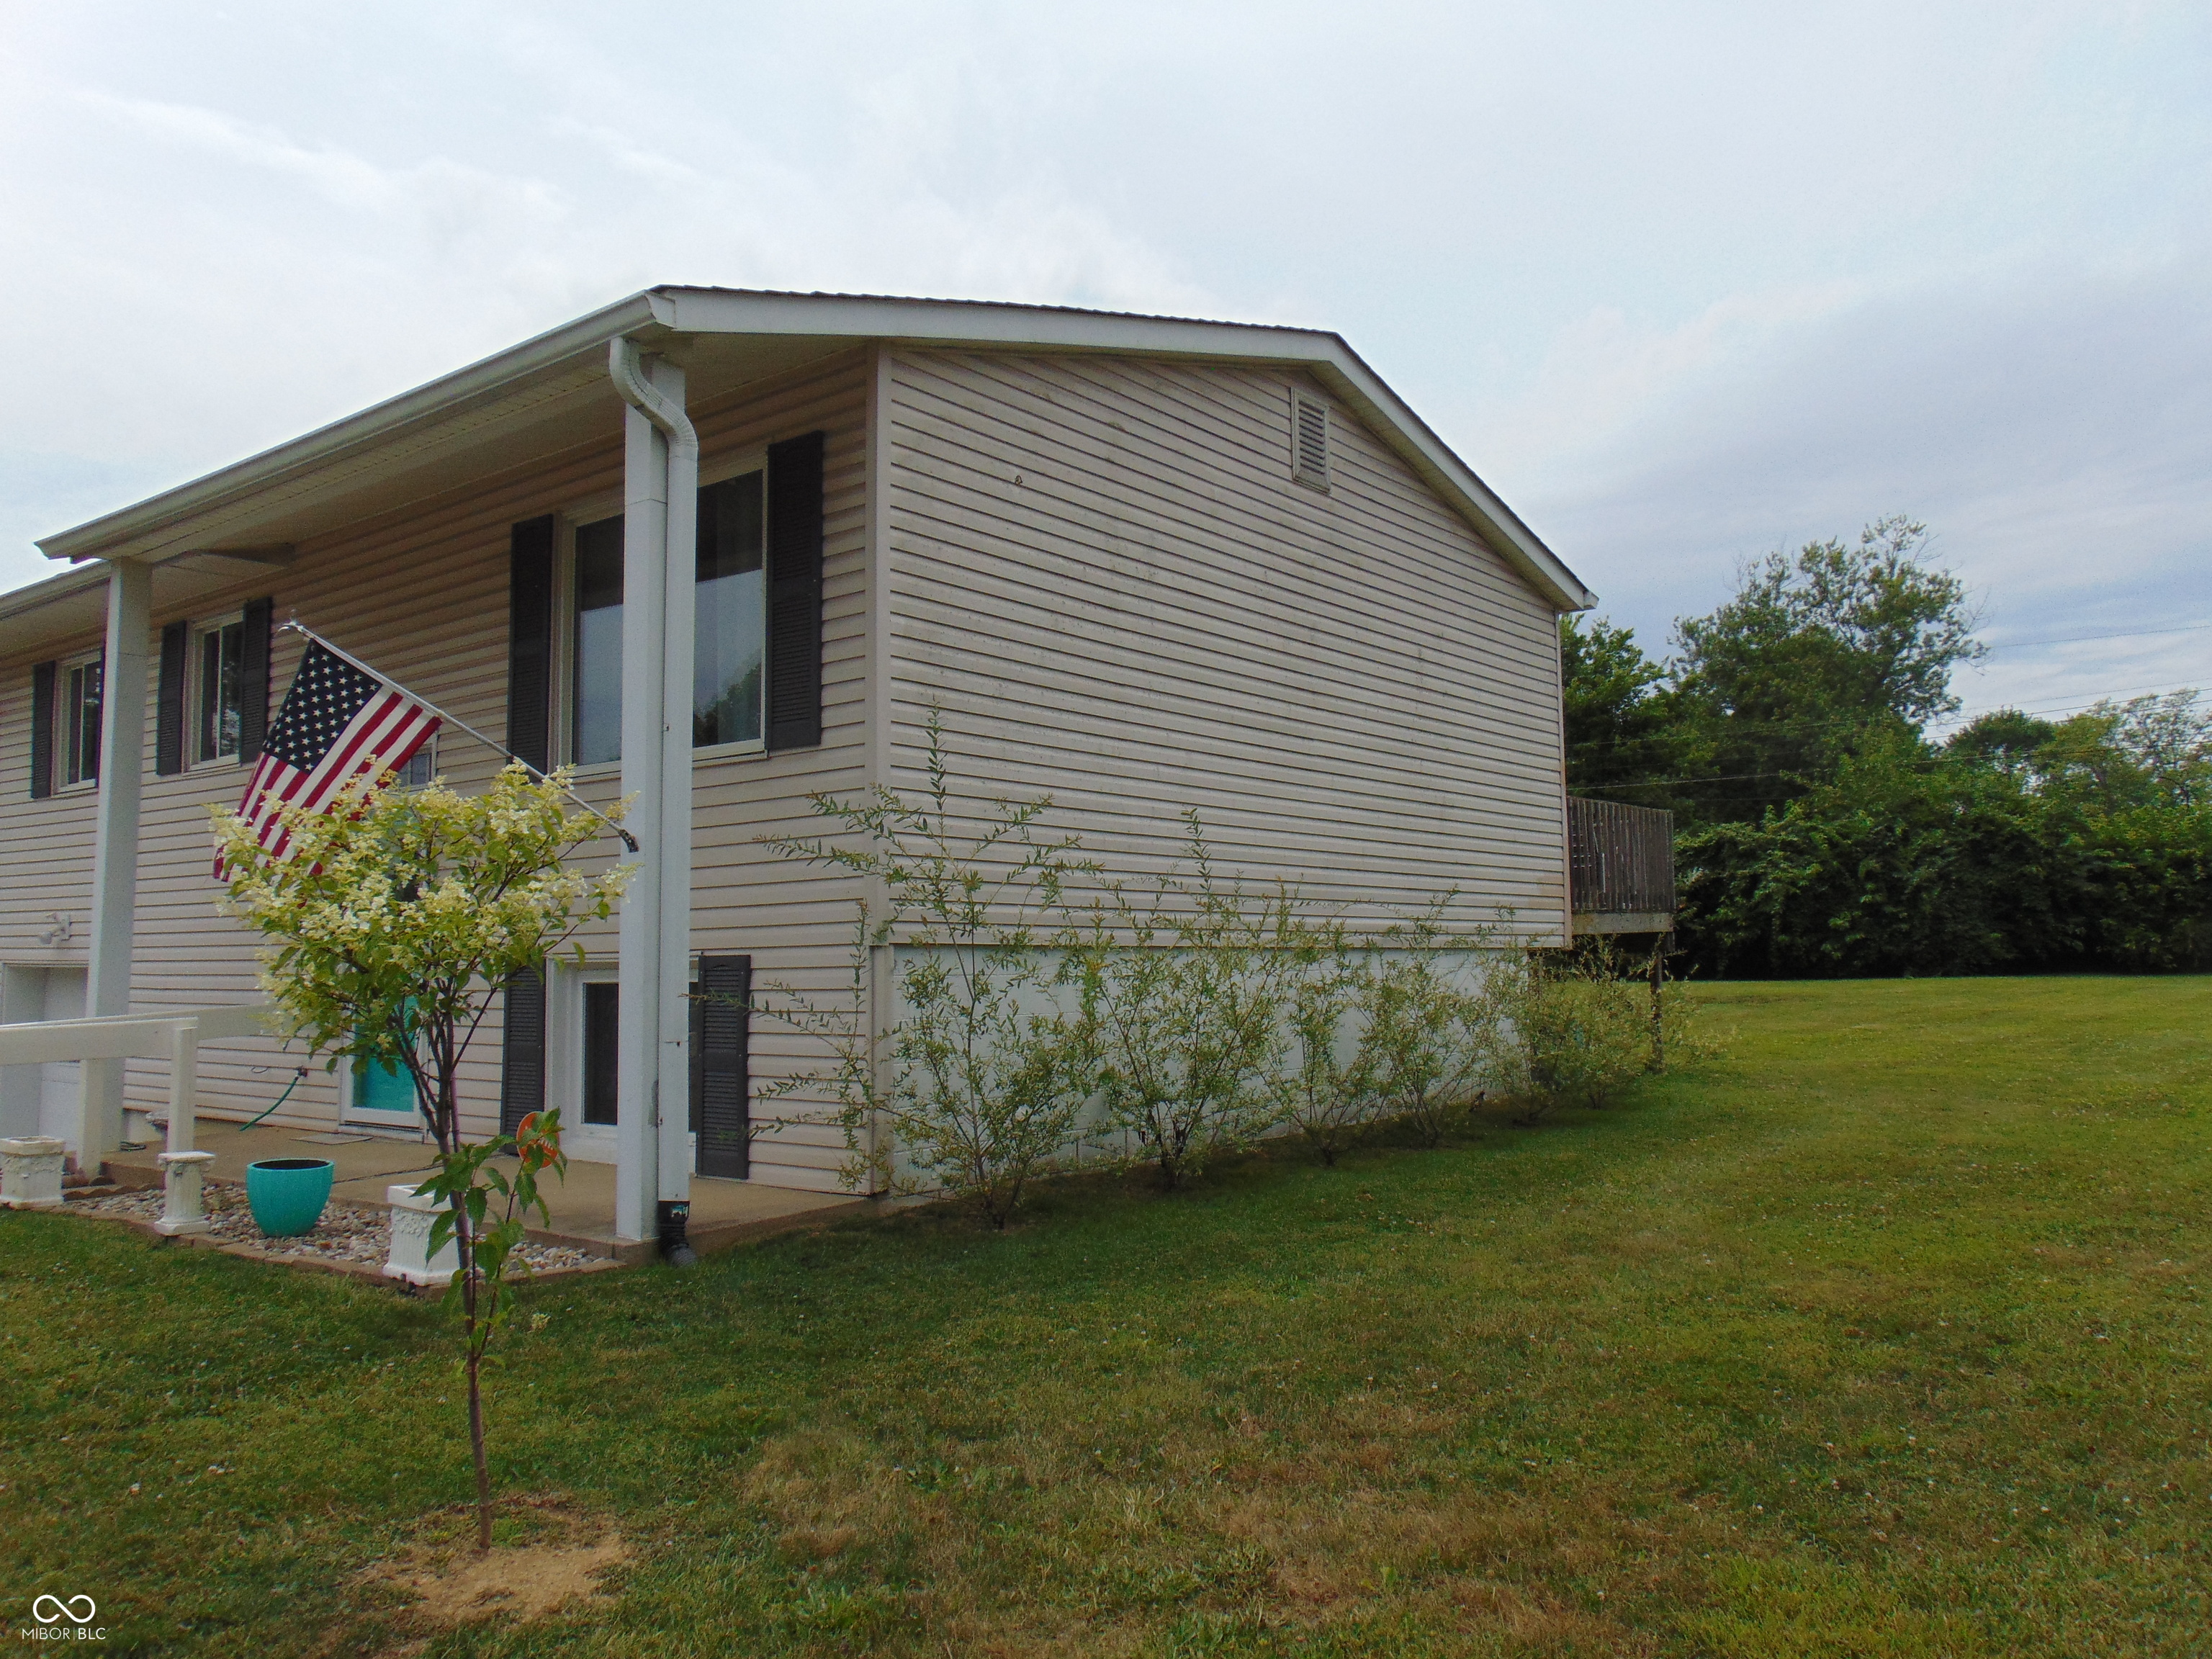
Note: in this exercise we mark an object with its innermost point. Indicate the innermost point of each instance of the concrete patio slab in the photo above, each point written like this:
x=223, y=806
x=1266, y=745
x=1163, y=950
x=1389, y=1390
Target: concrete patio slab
x=582, y=1207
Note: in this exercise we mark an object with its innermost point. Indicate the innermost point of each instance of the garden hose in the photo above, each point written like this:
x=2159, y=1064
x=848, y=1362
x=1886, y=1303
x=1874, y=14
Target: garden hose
x=279, y=1101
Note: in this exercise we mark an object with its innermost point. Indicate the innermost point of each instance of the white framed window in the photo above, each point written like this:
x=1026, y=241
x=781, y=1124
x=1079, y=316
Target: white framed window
x=582, y=1010
x=77, y=721
x=593, y=591
x=421, y=766
x=583, y=1052
x=730, y=626
x=213, y=686
x=1308, y=440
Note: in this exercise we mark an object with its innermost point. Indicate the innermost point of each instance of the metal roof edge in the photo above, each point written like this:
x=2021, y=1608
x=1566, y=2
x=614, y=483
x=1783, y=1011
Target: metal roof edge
x=967, y=322
x=49, y=590
x=682, y=309
x=1440, y=466
x=368, y=426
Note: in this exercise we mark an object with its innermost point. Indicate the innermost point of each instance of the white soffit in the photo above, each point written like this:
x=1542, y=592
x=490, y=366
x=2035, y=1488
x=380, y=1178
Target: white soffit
x=548, y=392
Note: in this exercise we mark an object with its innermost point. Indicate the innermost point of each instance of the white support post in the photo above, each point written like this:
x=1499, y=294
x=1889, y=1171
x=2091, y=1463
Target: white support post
x=183, y=1168
x=645, y=598
x=115, y=845
x=183, y=1082
x=677, y=648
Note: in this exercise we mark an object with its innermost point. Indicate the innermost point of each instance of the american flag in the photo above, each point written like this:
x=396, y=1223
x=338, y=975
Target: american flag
x=337, y=723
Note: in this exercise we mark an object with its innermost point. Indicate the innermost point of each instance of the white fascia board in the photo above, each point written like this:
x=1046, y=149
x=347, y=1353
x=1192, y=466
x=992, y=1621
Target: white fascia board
x=1388, y=414
x=36, y=596
x=166, y=524
x=956, y=322
x=435, y=401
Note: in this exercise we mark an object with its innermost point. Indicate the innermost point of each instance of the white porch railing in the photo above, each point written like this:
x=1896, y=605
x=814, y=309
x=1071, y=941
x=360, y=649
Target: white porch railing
x=173, y=1036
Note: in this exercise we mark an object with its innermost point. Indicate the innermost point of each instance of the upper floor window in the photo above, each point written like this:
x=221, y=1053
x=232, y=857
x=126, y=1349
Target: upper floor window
x=595, y=713
x=421, y=766
x=218, y=654
x=730, y=634
x=80, y=720
x=729, y=630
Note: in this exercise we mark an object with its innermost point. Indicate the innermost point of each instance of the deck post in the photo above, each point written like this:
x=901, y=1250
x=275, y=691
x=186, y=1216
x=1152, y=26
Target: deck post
x=115, y=845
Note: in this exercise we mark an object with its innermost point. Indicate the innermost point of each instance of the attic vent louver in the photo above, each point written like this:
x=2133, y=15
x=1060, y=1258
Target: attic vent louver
x=1308, y=440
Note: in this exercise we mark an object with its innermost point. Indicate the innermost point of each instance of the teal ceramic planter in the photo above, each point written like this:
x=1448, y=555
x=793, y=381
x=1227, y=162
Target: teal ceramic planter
x=286, y=1195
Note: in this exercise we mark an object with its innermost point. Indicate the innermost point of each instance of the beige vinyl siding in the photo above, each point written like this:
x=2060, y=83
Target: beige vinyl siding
x=46, y=846
x=1103, y=573
x=422, y=593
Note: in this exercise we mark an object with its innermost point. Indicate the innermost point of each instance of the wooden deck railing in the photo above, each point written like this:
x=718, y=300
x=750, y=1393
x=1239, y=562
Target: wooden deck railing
x=1620, y=861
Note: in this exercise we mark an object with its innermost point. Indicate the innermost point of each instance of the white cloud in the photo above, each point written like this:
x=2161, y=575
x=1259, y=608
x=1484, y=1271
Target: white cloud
x=1686, y=285
x=2051, y=429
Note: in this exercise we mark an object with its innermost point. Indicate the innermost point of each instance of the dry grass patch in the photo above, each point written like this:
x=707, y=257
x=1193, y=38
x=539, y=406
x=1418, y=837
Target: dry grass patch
x=446, y=1583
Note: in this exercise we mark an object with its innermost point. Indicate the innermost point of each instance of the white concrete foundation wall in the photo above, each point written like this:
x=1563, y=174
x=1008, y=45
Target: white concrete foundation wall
x=1095, y=1140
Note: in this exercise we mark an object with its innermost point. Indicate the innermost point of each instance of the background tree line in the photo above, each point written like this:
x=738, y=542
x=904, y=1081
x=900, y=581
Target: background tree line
x=1822, y=830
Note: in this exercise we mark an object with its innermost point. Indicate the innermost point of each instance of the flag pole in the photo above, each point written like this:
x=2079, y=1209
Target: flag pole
x=293, y=625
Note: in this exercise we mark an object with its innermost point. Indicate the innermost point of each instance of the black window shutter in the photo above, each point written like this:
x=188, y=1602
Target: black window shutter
x=169, y=703
x=722, y=1120
x=42, y=731
x=522, y=1072
x=529, y=642
x=794, y=592
x=253, y=678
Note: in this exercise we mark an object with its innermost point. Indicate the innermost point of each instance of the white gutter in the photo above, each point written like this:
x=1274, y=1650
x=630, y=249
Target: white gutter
x=659, y=596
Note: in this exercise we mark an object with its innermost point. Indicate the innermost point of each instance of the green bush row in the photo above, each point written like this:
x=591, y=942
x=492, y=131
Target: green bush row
x=1167, y=1023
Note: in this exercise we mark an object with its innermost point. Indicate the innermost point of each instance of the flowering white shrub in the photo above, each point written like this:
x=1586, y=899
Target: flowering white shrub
x=396, y=915
x=399, y=913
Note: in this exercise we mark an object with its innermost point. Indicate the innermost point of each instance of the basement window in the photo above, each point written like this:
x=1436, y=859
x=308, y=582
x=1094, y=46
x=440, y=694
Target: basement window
x=1308, y=440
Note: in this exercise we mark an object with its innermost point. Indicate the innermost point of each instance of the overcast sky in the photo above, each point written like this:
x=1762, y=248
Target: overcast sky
x=1685, y=283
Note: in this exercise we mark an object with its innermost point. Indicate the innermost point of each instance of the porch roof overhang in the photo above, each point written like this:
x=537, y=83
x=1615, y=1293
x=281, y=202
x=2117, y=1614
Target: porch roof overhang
x=552, y=392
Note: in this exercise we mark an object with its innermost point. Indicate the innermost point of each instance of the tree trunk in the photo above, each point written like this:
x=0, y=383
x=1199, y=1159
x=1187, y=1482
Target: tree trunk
x=470, y=1286
x=476, y=1448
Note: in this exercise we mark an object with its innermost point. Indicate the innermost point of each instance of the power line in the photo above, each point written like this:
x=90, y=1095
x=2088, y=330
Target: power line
x=2078, y=639
x=2095, y=698
x=1927, y=760
x=1807, y=726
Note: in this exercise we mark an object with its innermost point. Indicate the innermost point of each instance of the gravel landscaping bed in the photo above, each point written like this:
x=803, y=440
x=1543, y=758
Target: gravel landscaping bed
x=343, y=1234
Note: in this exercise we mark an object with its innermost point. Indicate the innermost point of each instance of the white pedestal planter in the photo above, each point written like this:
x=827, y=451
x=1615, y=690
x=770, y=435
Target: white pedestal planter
x=410, y=1241
x=183, y=1210
x=31, y=1172
x=137, y=1126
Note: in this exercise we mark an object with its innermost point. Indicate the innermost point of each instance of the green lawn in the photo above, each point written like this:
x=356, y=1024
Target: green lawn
x=1886, y=1336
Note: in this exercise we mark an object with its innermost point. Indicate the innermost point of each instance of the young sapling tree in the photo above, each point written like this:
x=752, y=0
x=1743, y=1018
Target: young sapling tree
x=396, y=917
x=1316, y=1084
x=1427, y=1041
x=980, y=1079
x=1180, y=995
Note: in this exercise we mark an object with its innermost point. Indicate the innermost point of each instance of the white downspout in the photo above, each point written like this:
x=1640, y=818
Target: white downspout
x=660, y=577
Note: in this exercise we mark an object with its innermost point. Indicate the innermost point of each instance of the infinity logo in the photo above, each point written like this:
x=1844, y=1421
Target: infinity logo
x=52, y=1610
